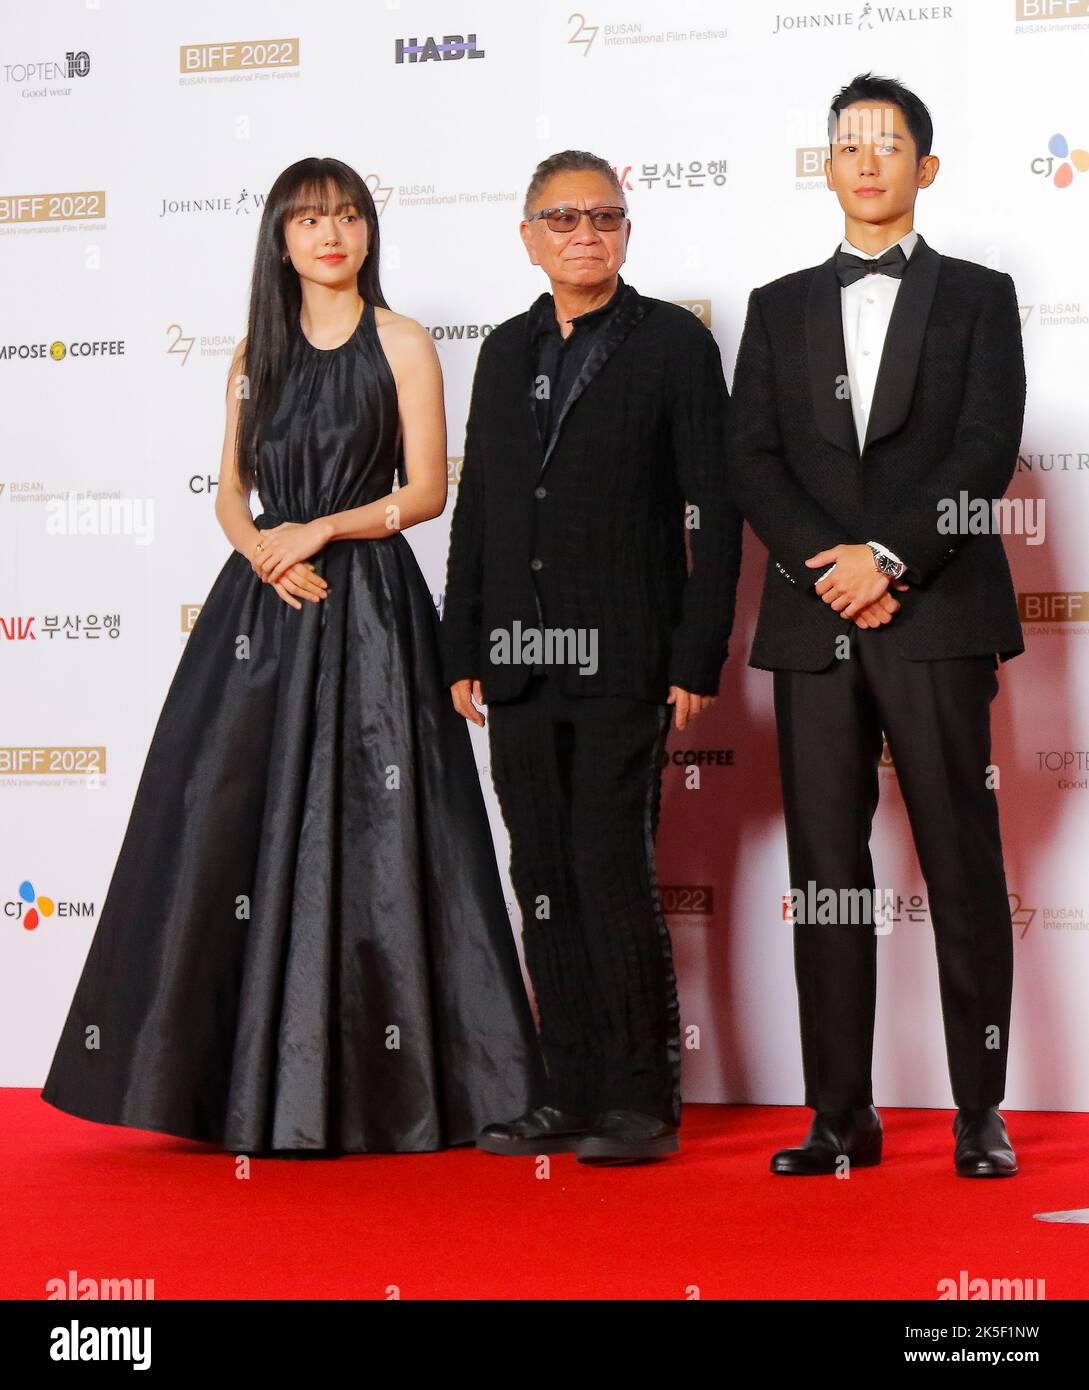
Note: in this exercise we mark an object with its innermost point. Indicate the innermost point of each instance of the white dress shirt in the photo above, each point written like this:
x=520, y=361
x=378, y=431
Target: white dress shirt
x=867, y=307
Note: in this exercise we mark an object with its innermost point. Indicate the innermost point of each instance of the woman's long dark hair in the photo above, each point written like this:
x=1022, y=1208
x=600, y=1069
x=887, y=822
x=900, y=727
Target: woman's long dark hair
x=276, y=295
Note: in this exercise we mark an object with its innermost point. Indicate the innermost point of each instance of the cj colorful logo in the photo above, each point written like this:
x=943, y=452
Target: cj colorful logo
x=1056, y=165
x=36, y=905
x=29, y=907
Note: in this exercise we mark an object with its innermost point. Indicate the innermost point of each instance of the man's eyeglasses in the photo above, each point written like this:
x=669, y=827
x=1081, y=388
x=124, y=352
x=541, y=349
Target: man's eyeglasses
x=567, y=219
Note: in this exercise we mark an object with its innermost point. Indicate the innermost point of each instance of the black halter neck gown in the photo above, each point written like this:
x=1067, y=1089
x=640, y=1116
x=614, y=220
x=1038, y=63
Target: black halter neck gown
x=304, y=945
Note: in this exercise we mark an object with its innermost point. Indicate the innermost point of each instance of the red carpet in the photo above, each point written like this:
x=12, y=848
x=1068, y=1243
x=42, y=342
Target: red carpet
x=115, y=1203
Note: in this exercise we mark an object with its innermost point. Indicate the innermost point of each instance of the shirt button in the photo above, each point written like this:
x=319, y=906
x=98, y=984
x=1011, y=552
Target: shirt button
x=865, y=352
x=870, y=299
x=539, y=492
x=536, y=564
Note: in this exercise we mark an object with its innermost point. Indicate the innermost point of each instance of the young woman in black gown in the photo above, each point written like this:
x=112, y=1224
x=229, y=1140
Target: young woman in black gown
x=304, y=946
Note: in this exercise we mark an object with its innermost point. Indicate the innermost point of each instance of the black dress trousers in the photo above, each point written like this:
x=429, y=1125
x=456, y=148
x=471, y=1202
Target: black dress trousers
x=579, y=783
x=936, y=718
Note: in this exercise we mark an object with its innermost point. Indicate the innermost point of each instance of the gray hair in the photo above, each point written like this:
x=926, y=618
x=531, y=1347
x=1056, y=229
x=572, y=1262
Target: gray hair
x=570, y=161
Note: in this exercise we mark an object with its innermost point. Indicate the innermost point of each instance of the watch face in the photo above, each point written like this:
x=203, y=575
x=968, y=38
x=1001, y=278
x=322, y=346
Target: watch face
x=887, y=565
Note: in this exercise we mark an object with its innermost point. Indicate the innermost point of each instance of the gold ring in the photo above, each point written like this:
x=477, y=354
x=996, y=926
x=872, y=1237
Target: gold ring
x=260, y=547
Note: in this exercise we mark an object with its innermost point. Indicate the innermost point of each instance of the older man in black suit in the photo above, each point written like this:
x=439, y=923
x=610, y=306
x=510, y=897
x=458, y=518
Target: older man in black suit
x=595, y=445
x=871, y=393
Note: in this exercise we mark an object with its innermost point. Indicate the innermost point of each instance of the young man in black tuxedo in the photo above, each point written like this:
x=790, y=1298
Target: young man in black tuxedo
x=869, y=391
x=595, y=445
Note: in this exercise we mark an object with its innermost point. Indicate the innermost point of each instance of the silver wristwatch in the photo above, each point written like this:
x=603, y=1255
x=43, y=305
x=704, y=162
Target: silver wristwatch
x=885, y=563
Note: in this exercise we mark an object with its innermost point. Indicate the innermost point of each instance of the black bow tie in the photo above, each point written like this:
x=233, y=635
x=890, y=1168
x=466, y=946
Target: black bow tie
x=851, y=268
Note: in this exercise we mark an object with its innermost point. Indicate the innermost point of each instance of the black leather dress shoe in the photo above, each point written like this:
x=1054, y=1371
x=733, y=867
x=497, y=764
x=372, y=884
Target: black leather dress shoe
x=545, y=1130
x=627, y=1136
x=983, y=1146
x=833, y=1136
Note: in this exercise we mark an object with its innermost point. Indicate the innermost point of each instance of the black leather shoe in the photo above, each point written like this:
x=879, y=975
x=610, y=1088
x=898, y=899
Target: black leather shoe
x=545, y=1130
x=627, y=1136
x=983, y=1146
x=833, y=1136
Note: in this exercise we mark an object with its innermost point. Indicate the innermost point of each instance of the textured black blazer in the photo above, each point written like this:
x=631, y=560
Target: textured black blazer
x=642, y=433
x=946, y=418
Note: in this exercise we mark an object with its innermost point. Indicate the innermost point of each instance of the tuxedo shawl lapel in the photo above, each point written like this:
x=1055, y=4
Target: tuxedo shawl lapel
x=630, y=310
x=827, y=357
x=899, y=369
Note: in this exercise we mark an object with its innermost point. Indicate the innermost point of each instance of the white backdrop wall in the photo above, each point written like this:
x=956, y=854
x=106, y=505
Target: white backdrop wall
x=140, y=142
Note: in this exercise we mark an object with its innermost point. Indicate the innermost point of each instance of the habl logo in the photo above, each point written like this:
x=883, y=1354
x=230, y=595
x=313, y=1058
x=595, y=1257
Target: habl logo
x=452, y=46
x=1059, y=168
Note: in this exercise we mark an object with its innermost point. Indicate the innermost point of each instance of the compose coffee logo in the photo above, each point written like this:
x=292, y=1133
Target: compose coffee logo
x=698, y=757
x=59, y=351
